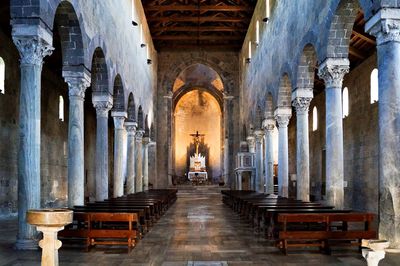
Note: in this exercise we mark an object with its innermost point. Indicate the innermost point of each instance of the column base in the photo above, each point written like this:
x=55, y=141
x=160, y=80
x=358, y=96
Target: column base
x=27, y=244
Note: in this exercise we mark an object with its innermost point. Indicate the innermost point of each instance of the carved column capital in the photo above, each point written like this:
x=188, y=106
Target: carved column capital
x=77, y=86
x=131, y=128
x=139, y=136
x=32, y=49
x=268, y=124
x=283, y=115
x=301, y=104
x=146, y=141
x=332, y=71
x=385, y=25
x=118, y=121
x=251, y=141
x=259, y=135
x=102, y=108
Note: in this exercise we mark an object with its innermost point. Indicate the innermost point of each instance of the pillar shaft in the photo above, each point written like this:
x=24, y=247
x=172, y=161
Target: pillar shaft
x=251, y=141
x=301, y=105
x=259, y=185
x=333, y=71
x=76, y=160
x=268, y=126
x=103, y=106
x=32, y=51
x=130, y=173
x=282, y=116
x=119, y=119
x=139, y=160
x=385, y=25
x=146, y=142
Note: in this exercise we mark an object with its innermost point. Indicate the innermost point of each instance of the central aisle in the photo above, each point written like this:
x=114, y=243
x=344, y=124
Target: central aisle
x=200, y=230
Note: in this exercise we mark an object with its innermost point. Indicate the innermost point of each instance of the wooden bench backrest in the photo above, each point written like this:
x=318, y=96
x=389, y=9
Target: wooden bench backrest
x=326, y=217
x=113, y=217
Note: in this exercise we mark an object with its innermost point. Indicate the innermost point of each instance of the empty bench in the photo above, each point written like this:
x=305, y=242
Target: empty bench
x=320, y=229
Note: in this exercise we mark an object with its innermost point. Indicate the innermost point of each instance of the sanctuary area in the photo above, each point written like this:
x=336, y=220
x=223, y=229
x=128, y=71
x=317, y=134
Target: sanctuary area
x=200, y=132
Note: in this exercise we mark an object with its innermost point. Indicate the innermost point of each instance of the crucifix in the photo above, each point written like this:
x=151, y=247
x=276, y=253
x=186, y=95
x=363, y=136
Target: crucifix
x=197, y=140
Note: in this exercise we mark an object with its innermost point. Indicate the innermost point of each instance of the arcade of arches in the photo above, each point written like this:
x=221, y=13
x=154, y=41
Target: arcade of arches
x=101, y=99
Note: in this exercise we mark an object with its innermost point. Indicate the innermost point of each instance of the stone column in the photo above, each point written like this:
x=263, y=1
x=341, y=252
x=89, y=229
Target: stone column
x=103, y=104
x=130, y=174
x=153, y=163
x=77, y=84
x=268, y=126
x=32, y=50
x=139, y=160
x=301, y=99
x=251, y=142
x=146, y=141
x=119, y=119
x=259, y=185
x=239, y=180
x=227, y=116
x=333, y=71
x=282, y=116
x=385, y=25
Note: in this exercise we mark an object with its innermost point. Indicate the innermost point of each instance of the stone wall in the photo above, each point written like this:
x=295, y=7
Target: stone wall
x=278, y=55
x=99, y=24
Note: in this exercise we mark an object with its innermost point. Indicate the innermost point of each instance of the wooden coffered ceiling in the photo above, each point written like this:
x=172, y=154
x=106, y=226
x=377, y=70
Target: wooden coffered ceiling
x=184, y=24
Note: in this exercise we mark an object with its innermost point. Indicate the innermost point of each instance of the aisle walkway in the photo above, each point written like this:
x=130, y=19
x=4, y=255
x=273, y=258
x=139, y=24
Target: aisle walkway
x=198, y=228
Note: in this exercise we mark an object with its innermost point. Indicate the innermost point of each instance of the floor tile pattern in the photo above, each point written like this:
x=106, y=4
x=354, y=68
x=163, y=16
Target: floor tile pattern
x=197, y=231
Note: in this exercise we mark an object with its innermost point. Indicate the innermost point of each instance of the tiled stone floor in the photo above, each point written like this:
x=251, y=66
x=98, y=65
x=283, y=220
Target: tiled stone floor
x=197, y=230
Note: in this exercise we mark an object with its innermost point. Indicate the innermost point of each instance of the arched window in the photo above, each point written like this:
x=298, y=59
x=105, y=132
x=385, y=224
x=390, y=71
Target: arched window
x=315, y=119
x=61, y=108
x=374, y=86
x=257, y=32
x=2, y=75
x=345, y=102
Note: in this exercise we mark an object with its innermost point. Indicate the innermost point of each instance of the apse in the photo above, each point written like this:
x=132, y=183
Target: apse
x=198, y=111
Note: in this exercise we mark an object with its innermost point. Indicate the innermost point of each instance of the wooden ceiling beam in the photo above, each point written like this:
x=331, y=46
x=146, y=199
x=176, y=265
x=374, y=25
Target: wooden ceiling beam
x=198, y=19
x=194, y=38
x=222, y=8
x=200, y=29
x=364, y=37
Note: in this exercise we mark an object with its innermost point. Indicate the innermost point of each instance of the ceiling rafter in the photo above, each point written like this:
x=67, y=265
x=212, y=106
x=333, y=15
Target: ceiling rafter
x=205, y=23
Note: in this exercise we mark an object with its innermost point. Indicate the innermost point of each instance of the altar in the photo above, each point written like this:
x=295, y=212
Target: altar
x=198, y=177
x=197, y=169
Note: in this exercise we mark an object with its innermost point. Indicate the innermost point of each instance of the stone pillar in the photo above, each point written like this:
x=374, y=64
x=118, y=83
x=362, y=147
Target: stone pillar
x=259, y=184
x=282, y=116
x=153, y=163
x=119, y=119
x=227, y=116
x=251, y=142
x=385, y=25
x=146, y=141
x=333, y=71
x=139, y=160
x=301, y=99
x=77, y=84
x=103, y=104
x=239, y=180
x=32, y=50
x=130, y=173
x=268, y=126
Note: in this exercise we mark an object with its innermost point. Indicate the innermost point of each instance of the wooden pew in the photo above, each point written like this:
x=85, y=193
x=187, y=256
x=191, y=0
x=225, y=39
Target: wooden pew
x=303, y=235
x=107, y=232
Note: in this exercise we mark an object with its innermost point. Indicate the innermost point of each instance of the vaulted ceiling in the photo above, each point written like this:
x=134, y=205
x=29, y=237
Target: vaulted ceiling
x=183, y=24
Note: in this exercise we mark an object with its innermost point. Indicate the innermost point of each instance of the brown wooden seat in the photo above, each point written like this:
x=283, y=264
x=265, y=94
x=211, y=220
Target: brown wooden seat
x=298, y=229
